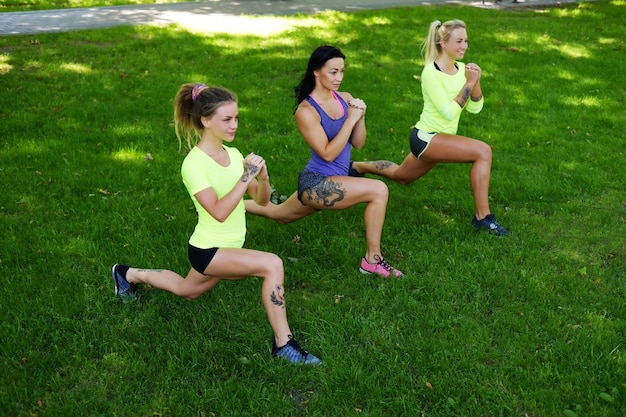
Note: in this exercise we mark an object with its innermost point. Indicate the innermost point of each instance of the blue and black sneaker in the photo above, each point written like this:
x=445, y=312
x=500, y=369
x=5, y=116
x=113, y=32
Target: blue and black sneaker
x=490, y=224
x=294, y=353
x=123, y=289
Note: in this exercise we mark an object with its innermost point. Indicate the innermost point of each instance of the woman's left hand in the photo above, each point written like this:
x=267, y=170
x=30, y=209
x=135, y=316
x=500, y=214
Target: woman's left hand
x=358, y=103
x=474, y=67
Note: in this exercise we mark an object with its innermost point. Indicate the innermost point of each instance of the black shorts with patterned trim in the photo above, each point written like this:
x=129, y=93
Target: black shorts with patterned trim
x=308, y=180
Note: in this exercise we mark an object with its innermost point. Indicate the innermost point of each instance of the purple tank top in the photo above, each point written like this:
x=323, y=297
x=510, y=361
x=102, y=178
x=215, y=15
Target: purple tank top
x=331, y=126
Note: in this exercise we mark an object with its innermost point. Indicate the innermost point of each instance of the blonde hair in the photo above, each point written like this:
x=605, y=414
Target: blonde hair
x=437, y=33
x=192, y=102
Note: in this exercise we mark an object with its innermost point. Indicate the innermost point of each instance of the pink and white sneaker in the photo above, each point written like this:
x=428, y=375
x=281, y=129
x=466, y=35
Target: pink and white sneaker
x=381, y=267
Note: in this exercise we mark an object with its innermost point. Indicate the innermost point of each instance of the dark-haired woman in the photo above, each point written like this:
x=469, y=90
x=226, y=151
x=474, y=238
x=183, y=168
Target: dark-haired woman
x=331, y=123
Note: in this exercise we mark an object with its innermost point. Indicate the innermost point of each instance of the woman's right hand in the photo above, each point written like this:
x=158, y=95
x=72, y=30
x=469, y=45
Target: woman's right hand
x=253, y=165
x=472, y=73
x=355, y=113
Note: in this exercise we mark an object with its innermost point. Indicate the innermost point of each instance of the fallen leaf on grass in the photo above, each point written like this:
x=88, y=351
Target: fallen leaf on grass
x=607, y=397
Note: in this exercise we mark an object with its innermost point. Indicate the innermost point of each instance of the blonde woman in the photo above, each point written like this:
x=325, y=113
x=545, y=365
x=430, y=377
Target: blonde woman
x=448, y=86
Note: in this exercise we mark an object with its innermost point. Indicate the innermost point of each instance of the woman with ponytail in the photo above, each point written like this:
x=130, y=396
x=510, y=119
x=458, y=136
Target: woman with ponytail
x=217, y=176
x=448, y=87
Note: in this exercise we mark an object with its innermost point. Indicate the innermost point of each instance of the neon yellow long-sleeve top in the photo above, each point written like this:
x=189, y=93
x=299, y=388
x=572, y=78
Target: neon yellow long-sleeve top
x=441, y=113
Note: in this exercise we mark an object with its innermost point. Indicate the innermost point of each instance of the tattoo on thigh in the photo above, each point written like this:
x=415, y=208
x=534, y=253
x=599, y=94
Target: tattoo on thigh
x=327, y=193
x=278, y=296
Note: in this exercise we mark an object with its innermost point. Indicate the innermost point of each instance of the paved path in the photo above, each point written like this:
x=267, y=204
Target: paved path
x=211, y=15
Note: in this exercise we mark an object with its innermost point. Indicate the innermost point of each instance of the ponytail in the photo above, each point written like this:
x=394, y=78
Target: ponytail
x=437, y=33
x=192, y=102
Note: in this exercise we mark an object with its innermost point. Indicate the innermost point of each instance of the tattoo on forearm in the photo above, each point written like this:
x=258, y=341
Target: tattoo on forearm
x=278, y=296
x=249, y=171
x=327, y=193
x=464, y=96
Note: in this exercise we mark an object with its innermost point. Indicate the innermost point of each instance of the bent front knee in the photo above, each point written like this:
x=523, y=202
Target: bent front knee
x=273, y=265
x=484, y=152
x=380, y=189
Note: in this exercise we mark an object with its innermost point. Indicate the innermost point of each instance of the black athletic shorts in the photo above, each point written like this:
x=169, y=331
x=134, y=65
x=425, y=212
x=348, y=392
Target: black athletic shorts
x=200, y=258
x=419, y=141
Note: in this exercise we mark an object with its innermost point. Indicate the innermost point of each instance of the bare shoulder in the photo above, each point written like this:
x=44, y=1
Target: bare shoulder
x=303, y=106
x=306, y=111
x=345, y=95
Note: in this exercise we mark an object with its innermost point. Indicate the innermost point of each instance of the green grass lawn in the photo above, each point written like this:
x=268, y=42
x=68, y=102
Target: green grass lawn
x=26, y=5
x=530, y=325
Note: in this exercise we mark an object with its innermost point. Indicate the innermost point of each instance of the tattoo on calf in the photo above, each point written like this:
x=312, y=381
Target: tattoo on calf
x=278, y=296
x=327, y=193
x=382, y=165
